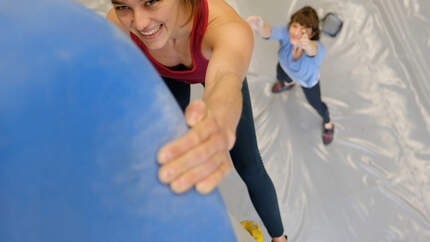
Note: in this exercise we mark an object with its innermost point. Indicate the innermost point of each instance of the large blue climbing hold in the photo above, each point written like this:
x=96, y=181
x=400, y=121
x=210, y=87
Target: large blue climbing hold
x=82, y=115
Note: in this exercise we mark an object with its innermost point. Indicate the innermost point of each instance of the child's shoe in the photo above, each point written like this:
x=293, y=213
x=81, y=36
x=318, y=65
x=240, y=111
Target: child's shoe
x=327, y=135
x=279, y=87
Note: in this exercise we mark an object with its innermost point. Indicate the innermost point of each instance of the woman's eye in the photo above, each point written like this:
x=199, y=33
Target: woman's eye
x=121, y=8
x=150, y=2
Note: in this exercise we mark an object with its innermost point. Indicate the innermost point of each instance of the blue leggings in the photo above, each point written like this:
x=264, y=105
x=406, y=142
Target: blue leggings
x=246, y=159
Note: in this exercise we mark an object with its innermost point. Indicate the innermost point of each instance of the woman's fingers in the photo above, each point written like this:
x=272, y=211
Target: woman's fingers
x=209, y=183
x=196, y=156
x=208, y=141
x=195, y=112
x=198, y=173
x=175, y=149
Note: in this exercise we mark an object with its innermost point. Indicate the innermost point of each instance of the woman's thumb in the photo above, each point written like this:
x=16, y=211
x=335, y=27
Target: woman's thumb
x=195, y=112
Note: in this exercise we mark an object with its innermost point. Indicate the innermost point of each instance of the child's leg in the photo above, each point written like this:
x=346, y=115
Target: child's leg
x=284, y=82
x=282, y=76
x=313, y=95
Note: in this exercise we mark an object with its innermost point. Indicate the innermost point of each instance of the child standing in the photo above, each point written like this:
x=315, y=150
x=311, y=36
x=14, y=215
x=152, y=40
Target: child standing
x=299, y=59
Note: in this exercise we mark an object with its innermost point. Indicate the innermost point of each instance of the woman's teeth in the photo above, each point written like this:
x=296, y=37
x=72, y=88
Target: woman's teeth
x=151, y=32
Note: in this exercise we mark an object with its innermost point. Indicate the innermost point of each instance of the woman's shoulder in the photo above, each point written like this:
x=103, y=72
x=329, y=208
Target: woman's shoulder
x=226, y=30
x=221, y=13
x=224, y=21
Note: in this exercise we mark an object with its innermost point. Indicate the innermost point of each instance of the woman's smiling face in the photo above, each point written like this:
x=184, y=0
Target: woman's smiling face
x=153, y=21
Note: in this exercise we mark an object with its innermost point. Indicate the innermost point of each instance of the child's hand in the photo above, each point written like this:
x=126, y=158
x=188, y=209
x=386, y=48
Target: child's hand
x=304, y=41
x=256, y=23
x=307, y=45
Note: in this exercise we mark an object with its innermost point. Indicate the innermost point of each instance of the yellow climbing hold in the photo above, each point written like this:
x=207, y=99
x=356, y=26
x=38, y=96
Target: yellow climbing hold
x=254, y=229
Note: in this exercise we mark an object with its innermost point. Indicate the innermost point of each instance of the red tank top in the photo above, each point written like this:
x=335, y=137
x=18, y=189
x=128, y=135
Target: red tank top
x=198, y=72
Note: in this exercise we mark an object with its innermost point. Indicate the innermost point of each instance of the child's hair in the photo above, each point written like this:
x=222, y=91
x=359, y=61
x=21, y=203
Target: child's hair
x=308, y=17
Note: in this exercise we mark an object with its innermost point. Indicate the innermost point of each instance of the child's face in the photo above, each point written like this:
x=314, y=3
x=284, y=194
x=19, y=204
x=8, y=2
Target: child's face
x=297, y=31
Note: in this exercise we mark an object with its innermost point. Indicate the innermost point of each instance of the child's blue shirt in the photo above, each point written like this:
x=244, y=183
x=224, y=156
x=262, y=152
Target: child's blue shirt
x=306, y=70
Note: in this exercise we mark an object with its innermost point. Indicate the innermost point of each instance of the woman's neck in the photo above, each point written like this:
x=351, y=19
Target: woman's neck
x=185, y=24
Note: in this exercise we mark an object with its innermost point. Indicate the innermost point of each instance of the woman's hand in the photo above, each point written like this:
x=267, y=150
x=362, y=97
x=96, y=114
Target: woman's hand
x=201, y=157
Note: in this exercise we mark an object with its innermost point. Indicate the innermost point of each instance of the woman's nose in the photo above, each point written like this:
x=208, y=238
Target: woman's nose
x=141, y=20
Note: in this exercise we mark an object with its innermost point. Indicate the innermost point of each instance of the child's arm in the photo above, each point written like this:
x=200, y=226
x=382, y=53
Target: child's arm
x=258, y=25
x=266, y=31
